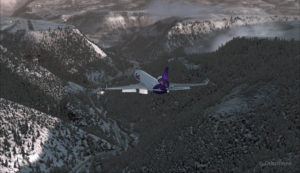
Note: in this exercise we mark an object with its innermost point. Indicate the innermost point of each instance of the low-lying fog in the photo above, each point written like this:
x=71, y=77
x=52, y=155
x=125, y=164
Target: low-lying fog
x=288, y=31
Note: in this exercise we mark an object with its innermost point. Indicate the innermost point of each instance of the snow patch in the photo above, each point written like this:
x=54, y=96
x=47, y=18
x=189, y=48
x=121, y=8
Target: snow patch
x=97, y=49
x=116, y=21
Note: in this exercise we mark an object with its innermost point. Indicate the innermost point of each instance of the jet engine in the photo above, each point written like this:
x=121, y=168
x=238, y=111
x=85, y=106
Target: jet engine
x=143, y=91
x=158, y=78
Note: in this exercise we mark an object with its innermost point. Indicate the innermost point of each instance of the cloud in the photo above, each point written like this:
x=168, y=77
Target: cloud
x=285, y=31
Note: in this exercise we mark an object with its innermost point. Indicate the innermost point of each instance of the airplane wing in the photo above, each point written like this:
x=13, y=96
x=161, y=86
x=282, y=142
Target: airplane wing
x=127, y=87
x=186, y=86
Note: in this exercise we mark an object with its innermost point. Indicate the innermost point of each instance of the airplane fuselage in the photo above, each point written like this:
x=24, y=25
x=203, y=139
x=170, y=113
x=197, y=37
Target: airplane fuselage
x=151, y=83
x=146, y=79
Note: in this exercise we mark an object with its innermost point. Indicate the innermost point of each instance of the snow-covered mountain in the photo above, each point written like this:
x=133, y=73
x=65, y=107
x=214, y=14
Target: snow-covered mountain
x=56, y=55
x=34, y=141
x=44, y=75
x=62, y=49
x=193, y=35
x=105, y=21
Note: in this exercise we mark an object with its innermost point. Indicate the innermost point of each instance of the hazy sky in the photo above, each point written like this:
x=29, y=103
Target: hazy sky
x=7, y=6
x=161, y=8
x=168, y=8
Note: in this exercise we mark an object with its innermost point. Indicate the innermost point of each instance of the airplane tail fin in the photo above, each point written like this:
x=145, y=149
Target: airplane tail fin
x=165, y=75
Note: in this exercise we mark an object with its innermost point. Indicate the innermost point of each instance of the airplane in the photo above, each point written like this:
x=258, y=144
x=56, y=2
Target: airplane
x=159, y=85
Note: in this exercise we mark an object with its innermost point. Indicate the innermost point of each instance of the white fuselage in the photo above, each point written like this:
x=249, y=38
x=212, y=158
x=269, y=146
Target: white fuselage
x=146, y=79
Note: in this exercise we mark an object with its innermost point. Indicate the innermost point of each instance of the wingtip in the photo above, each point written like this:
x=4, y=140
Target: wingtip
x=206, y=81
x=100, y=92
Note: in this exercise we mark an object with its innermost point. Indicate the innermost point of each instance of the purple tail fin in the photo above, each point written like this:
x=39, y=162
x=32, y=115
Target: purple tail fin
x=165, y=75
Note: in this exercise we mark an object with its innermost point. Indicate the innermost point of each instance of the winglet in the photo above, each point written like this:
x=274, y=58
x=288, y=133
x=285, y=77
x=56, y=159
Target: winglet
x=206, y=81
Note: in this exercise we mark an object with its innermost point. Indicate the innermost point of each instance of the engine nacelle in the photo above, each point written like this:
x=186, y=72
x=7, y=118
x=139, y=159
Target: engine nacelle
x=143, y=91
x=128, y=90
x=158, y=78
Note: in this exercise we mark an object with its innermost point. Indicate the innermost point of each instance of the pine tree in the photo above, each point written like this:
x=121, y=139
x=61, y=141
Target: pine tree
x=33, y=139
x=22, y=151
x=48, y=162
x=37, y=169
x=30, y=25
x=14, y=135
x=6, y=144
x=14, y=150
